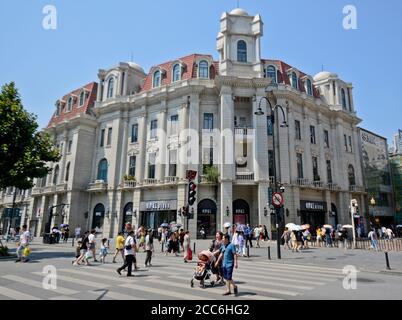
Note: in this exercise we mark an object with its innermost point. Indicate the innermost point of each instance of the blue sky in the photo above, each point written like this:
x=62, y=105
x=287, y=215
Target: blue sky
x=94, y=34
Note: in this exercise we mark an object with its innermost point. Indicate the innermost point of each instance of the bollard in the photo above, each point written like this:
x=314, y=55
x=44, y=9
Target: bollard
x=73, y=242
x=248, y=252
x=162, y=246
x=269, y=253
x=194, y=247
x=387, y=260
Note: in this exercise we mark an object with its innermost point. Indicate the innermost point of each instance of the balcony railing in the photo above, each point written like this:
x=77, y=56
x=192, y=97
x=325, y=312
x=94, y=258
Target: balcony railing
x=171, y=180
x=98, y=185
x=36, y=191
x=129, y=184
x=245, y=176
x=317, y=184
x=243, y=131
x=303, y=182
x=149, y=181
x=333, y=187
x=49, y=189
x=61, y=187
x=354, y=188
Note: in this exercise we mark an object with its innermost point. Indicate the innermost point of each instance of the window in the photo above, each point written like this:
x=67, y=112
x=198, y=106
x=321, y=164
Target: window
x=208, y=121
x=131, y=167
x=82, y=98
x=343, y=99
x=134, y=133
x=349, y=100
x=58, y=109
x=203, y=69
x=241, y=51
x=67, y=171
x=329, y=171
x=174, y=121
x=350, y=144
x=299, y=160
x=154, y=127
x=151, y=165
x=309, y=87
x=351, y=176
x=271, y=73
x=176, y=73
x=70, y=144
x=102, y=138
x=383, y=200
x=316, y=177
x=69, y=104
x=269, y=126
x=109, y=136
x=345, y=140
x=294, y=80
x=102, y=170
x=56, y=174
x=312, y=135
x=297, y=130
x=110, y=88
x=271, y=163
x=156, y=79
x=172, y=163
x=326, y=139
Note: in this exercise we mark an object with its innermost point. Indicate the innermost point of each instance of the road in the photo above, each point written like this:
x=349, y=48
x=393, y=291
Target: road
x=312, y=274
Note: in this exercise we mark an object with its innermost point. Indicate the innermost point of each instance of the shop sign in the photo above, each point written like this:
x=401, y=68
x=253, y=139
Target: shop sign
x=158, y=205
x=313, y=206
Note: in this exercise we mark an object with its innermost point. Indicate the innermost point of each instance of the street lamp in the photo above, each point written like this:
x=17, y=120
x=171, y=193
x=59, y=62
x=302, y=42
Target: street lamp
x=265, y=211
x=284, y=124
x=227, y=211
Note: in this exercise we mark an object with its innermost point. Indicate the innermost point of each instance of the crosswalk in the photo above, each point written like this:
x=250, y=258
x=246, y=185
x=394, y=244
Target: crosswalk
x=168, y=279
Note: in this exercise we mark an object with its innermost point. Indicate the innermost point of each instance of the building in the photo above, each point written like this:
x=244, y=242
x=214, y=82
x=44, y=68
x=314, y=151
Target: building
x=397, y=143
x=19, y=216
x=396, y=174
x=124, y=159
x=377, y=178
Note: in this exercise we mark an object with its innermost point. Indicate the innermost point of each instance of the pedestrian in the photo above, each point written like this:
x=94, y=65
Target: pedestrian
x=373, y=240
x=286, y=238
x=23, y=244
x=171, y=245
x=266, y=236
x=328, y=239
x=164, y=239
x=187, y=246
x=241, y=241
x=248, y=235
x=77, y=232
x=318, y=237
x=306, y=238
x=77, y=251
x=103, y=250
x=149, y=247
x=119, y=246
x=83, y=250
x=229, y=256
x=66, y=234
x=389, y=233
x=293, y=240
x=202, y=233
x=92, y=244
x=160, y=230
x=299, y=240
x=257, y=236
x=215, y=248
x=129, y=253
x=181, y=239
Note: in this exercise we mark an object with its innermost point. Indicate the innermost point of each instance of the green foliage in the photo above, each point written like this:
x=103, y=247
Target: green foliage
x=128, y=177
x=3, y=251
x=211, y=173
x=24, y=150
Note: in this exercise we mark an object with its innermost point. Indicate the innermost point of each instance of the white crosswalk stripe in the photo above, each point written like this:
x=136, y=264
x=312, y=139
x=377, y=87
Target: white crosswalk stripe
x=17, y=295
x=78, y=281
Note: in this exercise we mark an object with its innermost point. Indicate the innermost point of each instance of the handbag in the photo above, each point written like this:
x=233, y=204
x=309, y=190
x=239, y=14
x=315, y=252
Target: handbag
x=189, y=254
x=26, y=252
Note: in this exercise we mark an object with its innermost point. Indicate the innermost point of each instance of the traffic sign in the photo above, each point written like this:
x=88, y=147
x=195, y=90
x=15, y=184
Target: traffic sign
x=191, y=174
x=277, y=199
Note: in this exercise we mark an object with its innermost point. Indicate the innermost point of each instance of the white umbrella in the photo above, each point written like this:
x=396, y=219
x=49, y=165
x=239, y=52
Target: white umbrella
x=295, y=228
x=327, y=226
x=347, y=226
x=290, y=225
x=227, y=225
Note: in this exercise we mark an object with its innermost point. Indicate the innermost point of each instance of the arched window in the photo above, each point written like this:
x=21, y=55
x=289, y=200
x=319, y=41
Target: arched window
x=351, y=176
x=110, y=88
x=271, y=73
x=58, y=108
x=69, y=104
x=98, y=216
x=343, y=99
x=241, y=51
x=309, y=88
x=176, y=73
x=67, y=171
x=56, y=174
x=102, y=170
x=203, y=69
x=156, y=79
x=82, y=98
x=294, y=80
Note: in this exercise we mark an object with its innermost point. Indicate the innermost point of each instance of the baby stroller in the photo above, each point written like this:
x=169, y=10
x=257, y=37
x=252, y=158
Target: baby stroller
x=203, y=270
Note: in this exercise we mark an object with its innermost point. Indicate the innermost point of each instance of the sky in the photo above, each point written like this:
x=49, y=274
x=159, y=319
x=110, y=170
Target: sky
x=98, y=34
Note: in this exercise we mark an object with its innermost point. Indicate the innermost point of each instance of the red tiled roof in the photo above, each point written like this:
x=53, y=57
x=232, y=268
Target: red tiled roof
x=283, y=77
x=91, y=88
x=188, y=73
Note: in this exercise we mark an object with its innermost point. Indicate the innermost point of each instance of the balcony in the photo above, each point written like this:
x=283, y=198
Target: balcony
x=245, y=177
x=49, y=189
x=357, y=189
x=149, y=182
x=171, y=180
x=243, y=131
x=333, y=187
x=129, y=184
x=36, y=191
x=61, y=187
x=301, y=182
x=97, y=186
x=317, y=184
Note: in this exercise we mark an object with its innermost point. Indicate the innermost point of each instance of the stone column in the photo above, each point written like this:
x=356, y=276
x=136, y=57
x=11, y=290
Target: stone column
x=263, y=203
x=307, y=161
x=183, y=119
x=136, y=207
x=260, y=140
x=320, y=140
x=226, y=202
x=63, y=159
x=142, y=140
x=161, y=158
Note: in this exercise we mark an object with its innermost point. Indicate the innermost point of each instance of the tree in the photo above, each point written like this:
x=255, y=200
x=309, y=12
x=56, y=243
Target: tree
x=24, y=151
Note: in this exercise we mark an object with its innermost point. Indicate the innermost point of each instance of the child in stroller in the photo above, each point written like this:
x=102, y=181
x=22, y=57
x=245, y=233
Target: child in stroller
x=203, y=270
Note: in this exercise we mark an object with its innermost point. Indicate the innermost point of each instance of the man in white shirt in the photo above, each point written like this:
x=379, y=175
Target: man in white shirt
x=25, y=237
x=129, y=253
x=91, y=242
x=77, y=232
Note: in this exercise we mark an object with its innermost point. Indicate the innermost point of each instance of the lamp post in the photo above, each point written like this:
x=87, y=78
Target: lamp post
x=284, y=124
x=373, y=203
x=49, y=221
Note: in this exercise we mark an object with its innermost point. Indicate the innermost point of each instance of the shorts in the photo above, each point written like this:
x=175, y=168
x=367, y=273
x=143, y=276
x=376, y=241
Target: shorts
x=227, y=273
x=91, y=246
x=83, y=251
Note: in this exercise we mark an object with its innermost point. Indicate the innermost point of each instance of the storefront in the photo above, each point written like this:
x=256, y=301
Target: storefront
x=241, y=212
x=313, y=213
x=154, y=213
x=98, y=217
x=127, y=215
x=206, y=218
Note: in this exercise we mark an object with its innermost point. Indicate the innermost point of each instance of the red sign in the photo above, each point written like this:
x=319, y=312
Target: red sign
x=277, y=199
x=191, y=174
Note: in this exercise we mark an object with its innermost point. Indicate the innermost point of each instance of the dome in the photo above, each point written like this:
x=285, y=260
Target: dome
x=239, y=12
x=135, y=66
x=324, y=75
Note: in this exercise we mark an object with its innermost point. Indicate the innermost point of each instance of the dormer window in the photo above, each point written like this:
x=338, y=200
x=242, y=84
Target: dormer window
x=156, y=79
x=110, y=88
x=309, y=87
x=241, y=51
x=343, y=99
x=295, y=80
x=176, y=72
x=58, y=109
x=203, y=69
x=82, y=98
x=271, y=73
x=69, y=104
